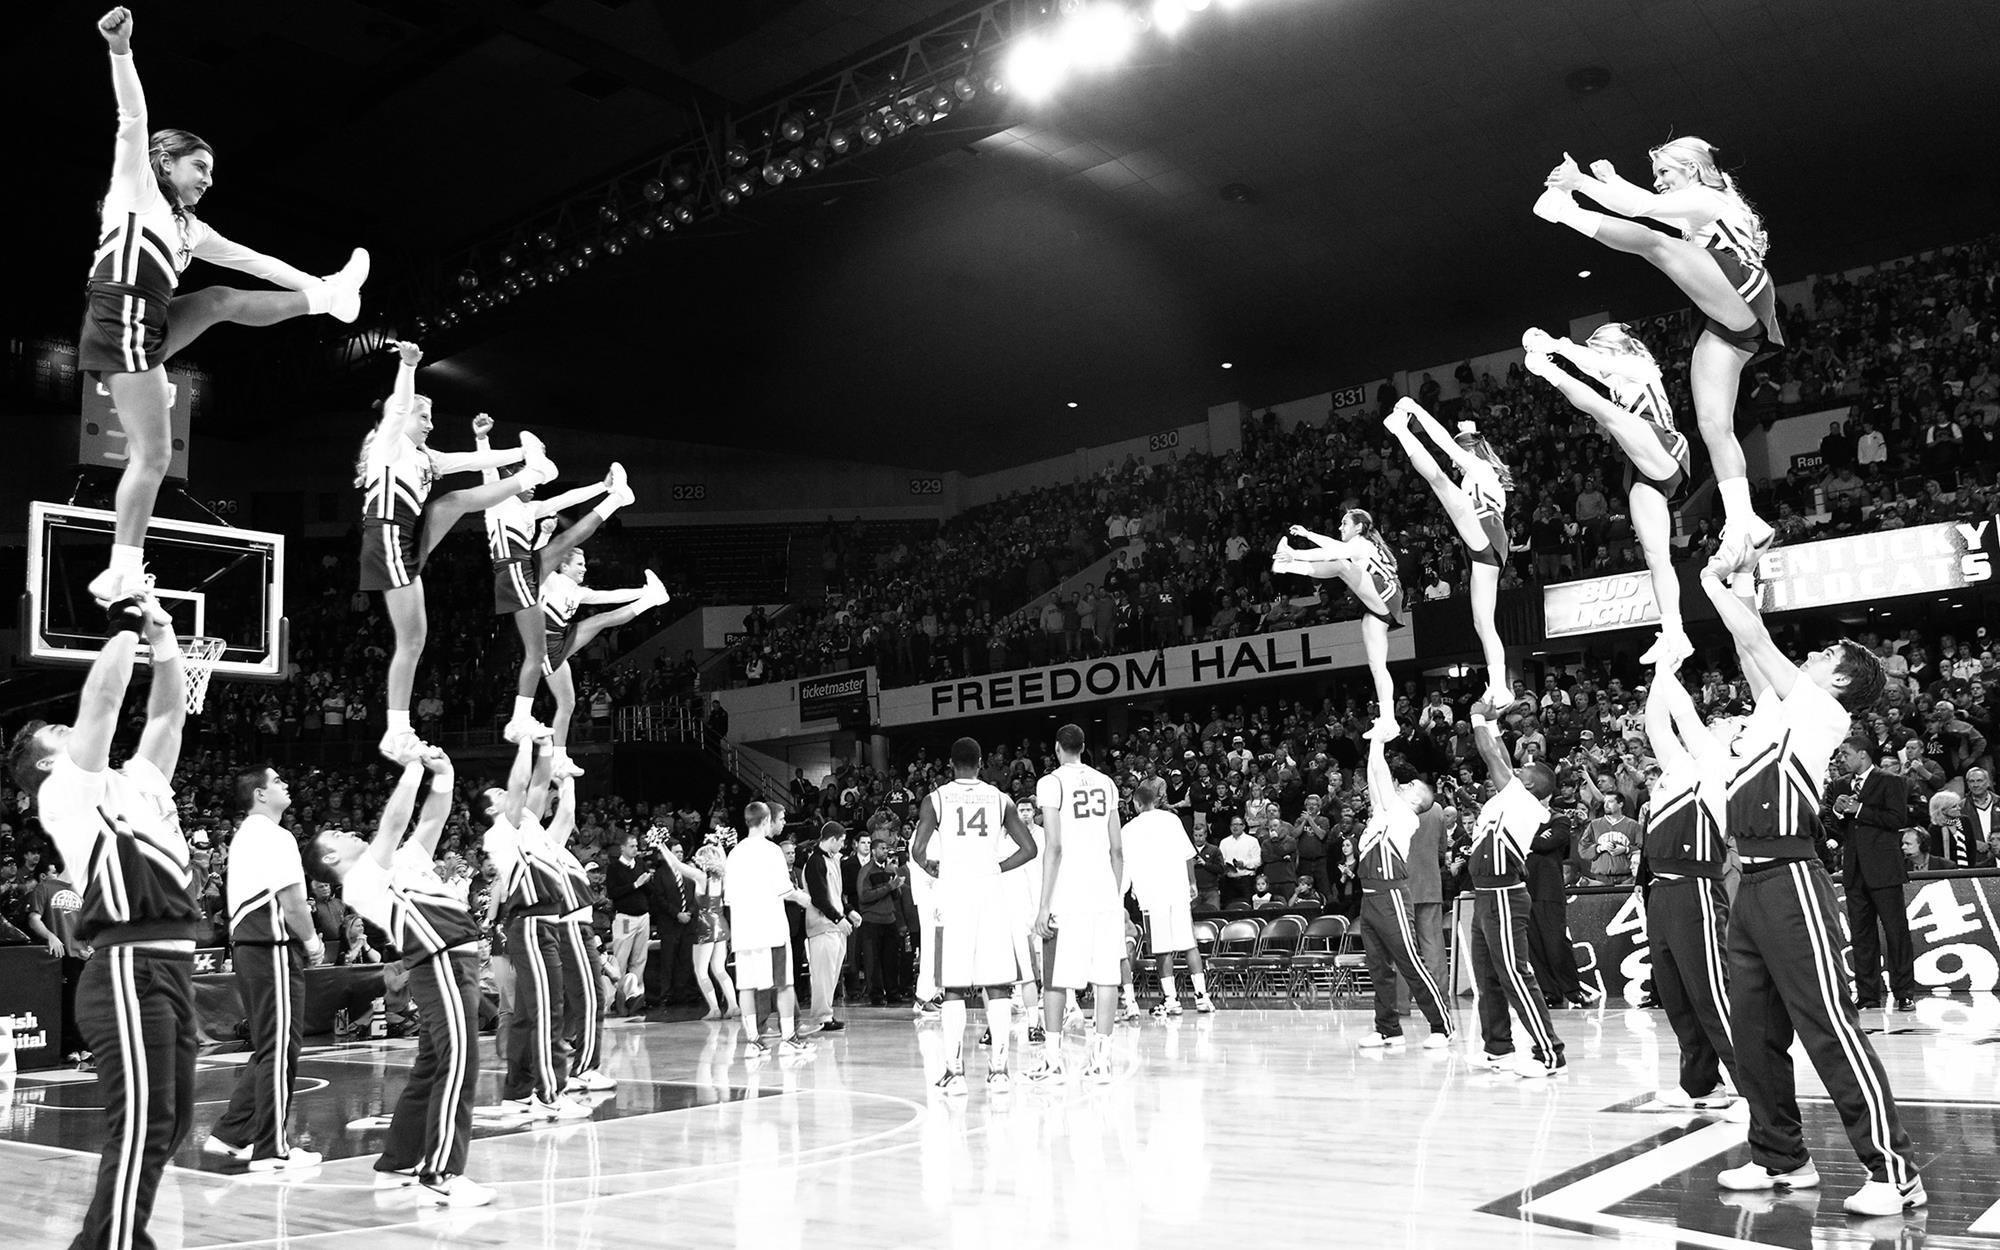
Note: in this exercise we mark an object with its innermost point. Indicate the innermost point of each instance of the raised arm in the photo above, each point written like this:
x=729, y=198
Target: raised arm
x=1499, y=770
x=437, y=800
x=1693, y=202
x=563, y=822
x=1660, y=733
x=396, y=813
x=1762, y=661
x=1464, y=459
x=536, y=797
x=1381, y=782
x=97, y=708
x=517, y=780
x=1702, y=744
x=166, y=704
x=482, y=431
x=131, y=160
x=402, y=399
x=482, y=460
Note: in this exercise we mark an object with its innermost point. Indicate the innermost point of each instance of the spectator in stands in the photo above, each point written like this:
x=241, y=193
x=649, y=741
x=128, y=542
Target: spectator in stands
x=1241, y=856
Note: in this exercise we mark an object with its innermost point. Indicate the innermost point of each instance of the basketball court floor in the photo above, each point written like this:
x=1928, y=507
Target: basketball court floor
x=1261, y=1127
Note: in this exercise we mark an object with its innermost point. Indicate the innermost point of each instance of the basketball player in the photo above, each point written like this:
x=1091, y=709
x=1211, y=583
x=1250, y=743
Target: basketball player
x=1080, y=920
x=1638, y=418
x=1718, y=263
x=118, y=833
x=133, y=321
x=401, y=523
x=1681, y=857
x=1476, y=505
x=566, y=634
x=272, y=935
x=582, y=1019
x=1367, y=566
x=957, y=833
x=1161, y=862
x=522, y=542
x=1506, y=826
x=530, y=899
x=1026, y=884
x=393, y=884
x=760, y=931
x=1786, y=973
x=925, y=999
x=1386, y=930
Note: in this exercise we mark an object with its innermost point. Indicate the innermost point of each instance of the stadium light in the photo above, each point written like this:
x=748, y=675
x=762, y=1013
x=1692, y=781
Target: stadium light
x=1098, y=36
x=1169, y=16
x=1035, y=67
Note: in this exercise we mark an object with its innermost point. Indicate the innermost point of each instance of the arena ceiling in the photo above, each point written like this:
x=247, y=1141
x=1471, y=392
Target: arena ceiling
x=945, y=309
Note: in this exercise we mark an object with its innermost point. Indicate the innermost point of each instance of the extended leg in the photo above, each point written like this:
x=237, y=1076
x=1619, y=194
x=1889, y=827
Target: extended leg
x=191, y=314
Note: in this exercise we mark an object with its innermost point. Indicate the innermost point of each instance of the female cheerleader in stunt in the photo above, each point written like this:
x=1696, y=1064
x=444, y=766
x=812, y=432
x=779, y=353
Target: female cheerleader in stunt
x=1638, y=418
x=565, y=634
x=133, y=322
x=401, y=522
x=1718, y=262
x=1477, y=506
x=1364, y=562
x=522, y=542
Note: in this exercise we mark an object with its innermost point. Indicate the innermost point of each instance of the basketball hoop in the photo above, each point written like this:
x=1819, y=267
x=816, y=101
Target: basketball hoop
x=198, y=657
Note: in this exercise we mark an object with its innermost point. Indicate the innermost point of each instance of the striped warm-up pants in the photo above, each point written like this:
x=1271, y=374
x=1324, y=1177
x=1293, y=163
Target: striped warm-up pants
x=537, y=1059
x=1786, y=976
x=432, y=1124
x=1388, y=934
x=270, y=979
x=1504, y=976
x=582, y=1005
x=1687, y=929
x=135, y=1008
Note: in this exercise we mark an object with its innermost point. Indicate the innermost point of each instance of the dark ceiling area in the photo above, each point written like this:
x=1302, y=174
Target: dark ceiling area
x=941, y=304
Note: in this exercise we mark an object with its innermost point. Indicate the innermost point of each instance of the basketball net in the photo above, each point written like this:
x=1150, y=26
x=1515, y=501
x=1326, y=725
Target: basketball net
x=198, y=657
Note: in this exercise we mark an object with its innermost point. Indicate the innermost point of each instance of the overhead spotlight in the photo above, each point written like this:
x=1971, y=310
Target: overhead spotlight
x=1098, y=36
x=512, y=286
x=585, y=251
x=509, y=258
x=447, y=319
x=1035, y=67
x=547, y=241
x=530, y=279
x=1072, y=403
x=870, y=134
x=662, y=221
x=840, y=141
x=964, y=88
x=1169, y=16
x=1583, y=273
x=744, y=185
x=791, y=127
x=678, y=179
x=730, y=197
x=614, y=247
x=893, y=122
x=654, y=190
x=468, y=280
x=423, y=326
x=1228, y=364
x=608, y=214
x=501, y=297
x=736, y=156
x=995, y=85
x=791, y=167
x=814, y=160
x=773, y=172
x=683, y=213
x=941, y=103
x=920, y=112
x=642, y=230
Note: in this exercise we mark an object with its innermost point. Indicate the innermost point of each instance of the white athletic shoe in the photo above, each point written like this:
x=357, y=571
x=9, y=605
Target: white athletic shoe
x=451, y=1190
x=1385, y=729
x=614, y=478
x=653, y=594
x=346, y=286
x=999, y=1082
x=536, y=470
x=1047, y=1072
x=1675, y=1096
x=1436, y=1041
x=951, y=1085
x=1553, y=203
x=1129, y=1014
x=1754, y=1175
x=622, y=497
x=755, y=1052
x=293, y=1160
x=1500, y=699
x=401, y=746
x=1670, y=650
x=1886, y=1198
x=524, y=729
x=569, y=1105
x=1204, y=1004
x=563, y=766
x=396, y=1178
x=1498, y=1063
x=1529, y=1068
x=108, y=588
x=1098, y=1070
x=1167, y=1009
x=1375, y=1041
x=594, y=1080
x=216, y=1146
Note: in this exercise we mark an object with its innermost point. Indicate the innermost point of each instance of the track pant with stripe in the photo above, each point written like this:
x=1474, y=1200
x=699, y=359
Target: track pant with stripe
x=1687, y=929
x=1504, y=976
x=270, y=978
x=582, y=1005
x=537, y=1058
x=1388, y=934
x=432, y=1124
x=135, y=1008
x=1786, y=976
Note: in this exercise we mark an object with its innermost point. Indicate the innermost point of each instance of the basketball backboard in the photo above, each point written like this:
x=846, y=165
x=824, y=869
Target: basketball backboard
x=214, y=580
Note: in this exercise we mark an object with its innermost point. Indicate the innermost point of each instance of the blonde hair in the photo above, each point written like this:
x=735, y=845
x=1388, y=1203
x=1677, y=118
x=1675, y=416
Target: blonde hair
x=1945, y=805
x=1617, y=339
x=418, y=403
x=1697, y=158
x=1473, y=441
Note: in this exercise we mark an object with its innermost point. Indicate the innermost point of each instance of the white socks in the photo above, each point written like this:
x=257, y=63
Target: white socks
x=1167, y=990
x=1200, y=980
x=128, y=563
x=524, y=706
x=399, y=720
x=953, y=1017
x=1735, y=492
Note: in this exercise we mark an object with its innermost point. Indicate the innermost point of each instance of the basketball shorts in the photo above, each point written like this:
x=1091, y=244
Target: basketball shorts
x=978, y=934
x=390, y=555
x=516, y=585
x=1170, y=928
x=764, y=968
x=124, y=329
x=1087, y=949
x=1497, y=547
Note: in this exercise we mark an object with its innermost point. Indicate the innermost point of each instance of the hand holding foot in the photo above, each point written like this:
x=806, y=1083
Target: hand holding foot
x=1565, y=176
x=1536, y=339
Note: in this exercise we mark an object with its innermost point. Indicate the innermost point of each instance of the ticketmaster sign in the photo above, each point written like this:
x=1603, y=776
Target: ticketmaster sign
x=1321, y=649
x=1922, y=559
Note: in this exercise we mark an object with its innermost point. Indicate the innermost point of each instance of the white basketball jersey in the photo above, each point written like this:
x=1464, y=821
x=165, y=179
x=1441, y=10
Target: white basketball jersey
x=1082, y=801
x=970, y=816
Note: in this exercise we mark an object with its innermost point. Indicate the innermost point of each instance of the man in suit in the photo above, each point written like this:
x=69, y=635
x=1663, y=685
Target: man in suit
x=1549, y=947
x=1870, y=809
x=670, y=900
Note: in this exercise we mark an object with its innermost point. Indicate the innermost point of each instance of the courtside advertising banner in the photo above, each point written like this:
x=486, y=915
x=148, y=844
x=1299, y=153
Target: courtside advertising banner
x=1920, y=559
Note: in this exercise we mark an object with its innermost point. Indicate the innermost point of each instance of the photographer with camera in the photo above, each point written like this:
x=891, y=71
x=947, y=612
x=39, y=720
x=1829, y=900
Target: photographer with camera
x=625, y=882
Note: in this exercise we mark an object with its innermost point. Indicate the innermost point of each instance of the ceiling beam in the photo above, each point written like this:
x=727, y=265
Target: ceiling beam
x=592, y=53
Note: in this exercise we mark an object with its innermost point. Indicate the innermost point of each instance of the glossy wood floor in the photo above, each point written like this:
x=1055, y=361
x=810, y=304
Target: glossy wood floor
x=1258, y=1127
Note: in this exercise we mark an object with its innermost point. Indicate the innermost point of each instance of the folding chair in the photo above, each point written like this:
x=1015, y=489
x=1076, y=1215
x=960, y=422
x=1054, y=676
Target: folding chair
x=1319, y=948
x=1272, y=960
x=1234, y=947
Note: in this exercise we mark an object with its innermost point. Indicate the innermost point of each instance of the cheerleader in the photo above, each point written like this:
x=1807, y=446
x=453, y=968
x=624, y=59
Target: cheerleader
x=1718, y=263
x=567, y=634
x=1638, y=418
x=1477, y=506
x=133, y=321
x=522, y=542
x=1360, y=559
x=401, y=522
x=711, y=932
